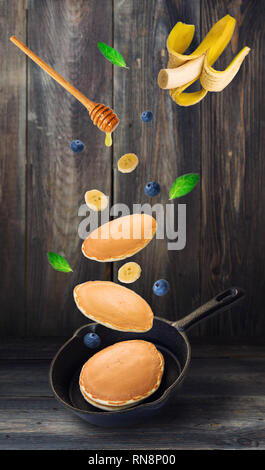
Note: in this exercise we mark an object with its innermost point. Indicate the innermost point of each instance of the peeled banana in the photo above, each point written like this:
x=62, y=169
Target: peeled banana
x=183, y=70
x=96, y=200
x=127, y=163
x=129, y=272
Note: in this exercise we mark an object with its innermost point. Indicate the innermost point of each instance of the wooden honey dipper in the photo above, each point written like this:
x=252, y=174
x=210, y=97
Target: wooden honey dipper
x=102, y=116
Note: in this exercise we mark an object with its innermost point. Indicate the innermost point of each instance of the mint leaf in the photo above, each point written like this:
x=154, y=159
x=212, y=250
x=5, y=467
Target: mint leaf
x=58, y=262
x=183, y=185
x=112, y=55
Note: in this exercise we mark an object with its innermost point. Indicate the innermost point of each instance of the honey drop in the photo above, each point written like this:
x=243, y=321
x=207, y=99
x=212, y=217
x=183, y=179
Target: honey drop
x=108, y=139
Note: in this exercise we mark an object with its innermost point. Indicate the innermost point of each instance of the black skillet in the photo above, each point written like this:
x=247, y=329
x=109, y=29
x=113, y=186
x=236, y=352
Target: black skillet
x=169, y=338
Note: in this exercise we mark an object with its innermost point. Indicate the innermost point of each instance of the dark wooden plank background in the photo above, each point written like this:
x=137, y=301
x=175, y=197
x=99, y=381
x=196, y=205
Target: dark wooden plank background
x=13, y=170
x=58, y=178
x=43, y=182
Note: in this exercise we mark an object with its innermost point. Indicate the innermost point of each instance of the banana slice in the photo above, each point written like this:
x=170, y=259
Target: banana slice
x=96, y=200
x=129, y=273
x=127, y=163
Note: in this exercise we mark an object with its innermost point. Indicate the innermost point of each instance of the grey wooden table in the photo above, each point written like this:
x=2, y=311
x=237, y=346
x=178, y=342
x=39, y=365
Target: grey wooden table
x=220, y=406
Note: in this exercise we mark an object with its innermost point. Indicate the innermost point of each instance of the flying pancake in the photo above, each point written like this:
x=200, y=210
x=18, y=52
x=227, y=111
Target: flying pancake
x=122, y=375
x=114, y=306
x=120, y=238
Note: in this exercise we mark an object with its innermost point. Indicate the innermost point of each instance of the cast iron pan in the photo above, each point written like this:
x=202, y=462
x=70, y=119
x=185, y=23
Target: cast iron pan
x=169, y=338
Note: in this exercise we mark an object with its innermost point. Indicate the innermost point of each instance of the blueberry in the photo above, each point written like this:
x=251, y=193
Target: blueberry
x=147, y=116
x=161, y=287
x=77, y=146
x=152, y=189
x=92, y=340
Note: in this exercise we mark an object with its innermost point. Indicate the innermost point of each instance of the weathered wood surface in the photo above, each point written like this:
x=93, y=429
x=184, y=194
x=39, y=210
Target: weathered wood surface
x=59, y=178
x=222, y=138
x=220, y=406
x=232, y=143
x=12, y=170
x=166, y=148
x=198, y=423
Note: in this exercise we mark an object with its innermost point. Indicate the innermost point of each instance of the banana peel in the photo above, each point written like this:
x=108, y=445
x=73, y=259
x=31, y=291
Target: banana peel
x=209, y=50
x=215, y=80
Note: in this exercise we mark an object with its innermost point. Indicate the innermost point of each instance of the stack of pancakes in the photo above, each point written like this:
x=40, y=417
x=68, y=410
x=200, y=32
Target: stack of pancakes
x=127, y=372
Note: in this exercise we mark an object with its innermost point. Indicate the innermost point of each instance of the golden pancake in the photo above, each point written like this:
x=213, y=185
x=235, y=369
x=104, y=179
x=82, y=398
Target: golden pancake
x=112, y=408
x=122, y=375
x=114, y=306
x=120, y=238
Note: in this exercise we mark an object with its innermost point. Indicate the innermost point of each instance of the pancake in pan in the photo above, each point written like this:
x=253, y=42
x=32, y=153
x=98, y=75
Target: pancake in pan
x=122, y=375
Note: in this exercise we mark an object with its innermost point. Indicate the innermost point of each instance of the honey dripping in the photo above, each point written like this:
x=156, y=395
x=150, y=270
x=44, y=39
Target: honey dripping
x=108, y=139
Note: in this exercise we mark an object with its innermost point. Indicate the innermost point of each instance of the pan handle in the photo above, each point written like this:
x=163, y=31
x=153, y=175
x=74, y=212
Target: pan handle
x=218, y=304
